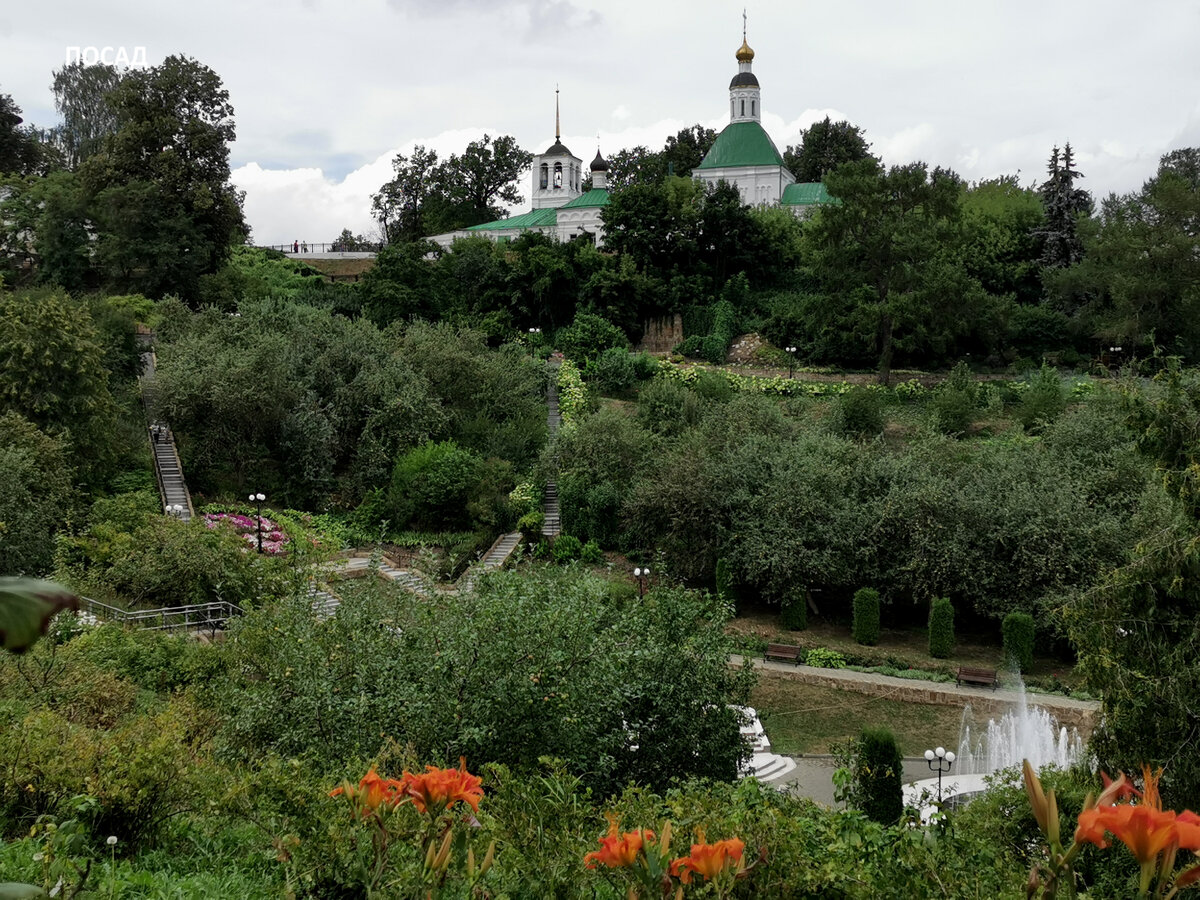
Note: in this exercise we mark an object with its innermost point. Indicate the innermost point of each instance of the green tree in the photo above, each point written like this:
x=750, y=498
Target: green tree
x=36, y=495
x=686, y=149
x=81, y=96
x=634, y=166
x=1141, y=271
x=482, y=182
x=166, y=210
x=878, y=773
x=1002, y=245
x=1064, y=204
x=823, y=147
x=886, y=256
x=941, y=628
x=399, y=206
x=20, y=153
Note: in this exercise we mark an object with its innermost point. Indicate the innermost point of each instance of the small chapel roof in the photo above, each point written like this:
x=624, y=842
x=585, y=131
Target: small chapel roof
x=806, y=193
x=538, y=218
x=594, y=197
x=742, y=144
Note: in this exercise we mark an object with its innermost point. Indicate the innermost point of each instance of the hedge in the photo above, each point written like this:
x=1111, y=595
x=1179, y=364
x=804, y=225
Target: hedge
x=941, y=628
x=866, y=617
x=1018, y=639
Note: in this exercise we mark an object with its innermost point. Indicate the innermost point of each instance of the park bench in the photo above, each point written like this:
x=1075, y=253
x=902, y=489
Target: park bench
x=783, y=652
x=983, y=677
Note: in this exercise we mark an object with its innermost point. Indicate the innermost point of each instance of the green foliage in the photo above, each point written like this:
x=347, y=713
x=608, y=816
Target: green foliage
x=572, y=393
x=866, y=616
x=645, y=366
x=793, y=610
x=36, y=495
x=431, y=486
x=877, y=773
x=1018, y=632
x=956, y=401
x=589, y=336
x=823, y=147
x=824, y=658
x=591, y=554
x=530, y=525
x=941, y=628
x=724, y=579
x=859, y=412
x=613, y=370
x=567, y=548
x=1042, y=401
x=619, y=690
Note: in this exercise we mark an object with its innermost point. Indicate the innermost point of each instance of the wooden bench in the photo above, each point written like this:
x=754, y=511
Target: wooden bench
x=784, y=652
x=982, y=677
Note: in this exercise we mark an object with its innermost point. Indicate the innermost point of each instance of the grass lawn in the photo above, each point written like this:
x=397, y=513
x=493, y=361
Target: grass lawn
x=806, y=718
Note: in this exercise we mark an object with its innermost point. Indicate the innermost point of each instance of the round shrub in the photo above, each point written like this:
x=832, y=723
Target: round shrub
x=645, y=366
x=1018, y=639
x=1043, y=401
x=588, y=336
x=793, y=611
x=866, y=616
x=591, y=554
x=859, y=412
x=431, y=486
x=941, y=628
x=824, y=658
x=877, y=775
x=612, y=370
x=955, y=401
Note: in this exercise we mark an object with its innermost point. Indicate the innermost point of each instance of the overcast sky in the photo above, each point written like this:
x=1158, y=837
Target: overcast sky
x=326, y=93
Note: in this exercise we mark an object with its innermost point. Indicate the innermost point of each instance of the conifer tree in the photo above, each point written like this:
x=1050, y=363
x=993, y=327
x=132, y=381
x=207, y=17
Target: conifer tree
x=1064, y=204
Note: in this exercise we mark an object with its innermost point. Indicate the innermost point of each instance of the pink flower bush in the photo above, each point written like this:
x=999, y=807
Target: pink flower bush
x=274, y=539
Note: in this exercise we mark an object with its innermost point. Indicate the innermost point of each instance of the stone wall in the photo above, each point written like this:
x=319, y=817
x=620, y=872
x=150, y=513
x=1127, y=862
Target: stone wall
x=662, y=335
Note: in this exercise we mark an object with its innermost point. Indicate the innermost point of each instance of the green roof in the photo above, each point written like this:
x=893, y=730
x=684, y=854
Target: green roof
x=594, y=197
x=538, y=218
x=742, y=144
x=810, y=193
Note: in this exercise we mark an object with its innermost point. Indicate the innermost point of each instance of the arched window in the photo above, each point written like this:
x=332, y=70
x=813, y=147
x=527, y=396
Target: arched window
x=752, y=112
x=558, y=175
x=743, y=107
x=731, y=106
x=545, y=177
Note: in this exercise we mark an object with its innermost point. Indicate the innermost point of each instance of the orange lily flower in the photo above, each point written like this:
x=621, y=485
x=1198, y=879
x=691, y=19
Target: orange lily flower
x=439, y=789
x=619, y=850
x=709, y=860
x=371, y=792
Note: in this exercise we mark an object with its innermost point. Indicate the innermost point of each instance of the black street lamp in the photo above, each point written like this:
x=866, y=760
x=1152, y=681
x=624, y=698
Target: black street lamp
x=791, y=352
x=258, y=499
x=940, y=760
x=641, y=574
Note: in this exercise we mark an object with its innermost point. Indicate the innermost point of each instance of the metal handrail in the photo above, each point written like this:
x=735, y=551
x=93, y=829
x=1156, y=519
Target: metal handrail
x=211, y=615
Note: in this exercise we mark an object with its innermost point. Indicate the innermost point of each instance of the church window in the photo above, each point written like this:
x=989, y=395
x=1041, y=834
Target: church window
x=545, y=177
x=731, y=106
x=743, y=107
x=752, y=112
x=558, y=175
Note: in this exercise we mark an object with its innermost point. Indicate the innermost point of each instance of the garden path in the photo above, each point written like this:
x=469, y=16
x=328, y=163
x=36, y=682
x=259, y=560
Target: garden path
x=168, y=471
x=551, y=519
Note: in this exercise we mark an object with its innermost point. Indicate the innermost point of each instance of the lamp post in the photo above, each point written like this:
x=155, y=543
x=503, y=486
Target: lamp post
x=175, y=510
x=535, y=335
x=641, y=573
x=258, y=499
x=939, y=760
x=791, y=352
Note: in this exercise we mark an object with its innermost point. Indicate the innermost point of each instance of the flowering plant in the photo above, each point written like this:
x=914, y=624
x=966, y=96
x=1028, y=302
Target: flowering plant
x=433, y=794
x=1153, y=835
x=644, y=861
x=274, y=539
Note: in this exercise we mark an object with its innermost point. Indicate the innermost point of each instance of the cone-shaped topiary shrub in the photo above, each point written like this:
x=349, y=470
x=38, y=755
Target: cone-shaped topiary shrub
x=877, y=773
x=941, y=628
x=1018, y=639
x=866, y=616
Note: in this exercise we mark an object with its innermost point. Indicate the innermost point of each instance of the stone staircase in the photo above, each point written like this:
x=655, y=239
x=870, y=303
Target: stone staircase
x=551, y=520
x=764, y=765
x=357, y=565
x=499, y=553
x=324, y=604
x=168, y=471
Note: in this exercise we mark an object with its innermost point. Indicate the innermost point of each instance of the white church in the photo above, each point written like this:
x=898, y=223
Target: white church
x=742, y=155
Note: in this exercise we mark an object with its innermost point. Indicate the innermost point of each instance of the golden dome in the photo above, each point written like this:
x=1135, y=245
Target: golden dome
x=745, y=54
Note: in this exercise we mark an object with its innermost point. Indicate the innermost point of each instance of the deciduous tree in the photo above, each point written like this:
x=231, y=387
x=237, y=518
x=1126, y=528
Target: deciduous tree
x=823, y=147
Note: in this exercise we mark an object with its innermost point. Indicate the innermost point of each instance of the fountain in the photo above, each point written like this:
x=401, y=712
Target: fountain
x=1025, y=732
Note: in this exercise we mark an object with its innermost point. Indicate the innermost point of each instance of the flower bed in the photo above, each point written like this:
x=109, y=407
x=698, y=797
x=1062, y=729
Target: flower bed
x=274, y=540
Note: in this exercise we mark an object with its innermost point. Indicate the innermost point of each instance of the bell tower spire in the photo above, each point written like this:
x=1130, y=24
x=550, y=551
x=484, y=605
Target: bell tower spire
x=557, y=123
x=745, y=101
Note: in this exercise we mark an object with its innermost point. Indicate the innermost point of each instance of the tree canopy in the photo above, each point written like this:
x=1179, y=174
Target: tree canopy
x=823, y=147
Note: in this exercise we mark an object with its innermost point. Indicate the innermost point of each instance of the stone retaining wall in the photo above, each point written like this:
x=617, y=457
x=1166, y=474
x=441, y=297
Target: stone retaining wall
x=984, y=703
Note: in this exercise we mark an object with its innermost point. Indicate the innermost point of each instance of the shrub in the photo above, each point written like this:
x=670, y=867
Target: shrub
x=941, y=628
x=713, y=386
x=588, y=336
x=877, y=773
x=859, y=412
x=1043, y=400
x=866, y=616
x=724, y=577
x=645, y=366
x=794, y=610
x=567, y=548
x=431, y=485
x=612, y=370
x=591, y=554
x=692, y=347
x=530, y=525
x=955, y=401
x=824, y=658
x=1018, y=639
